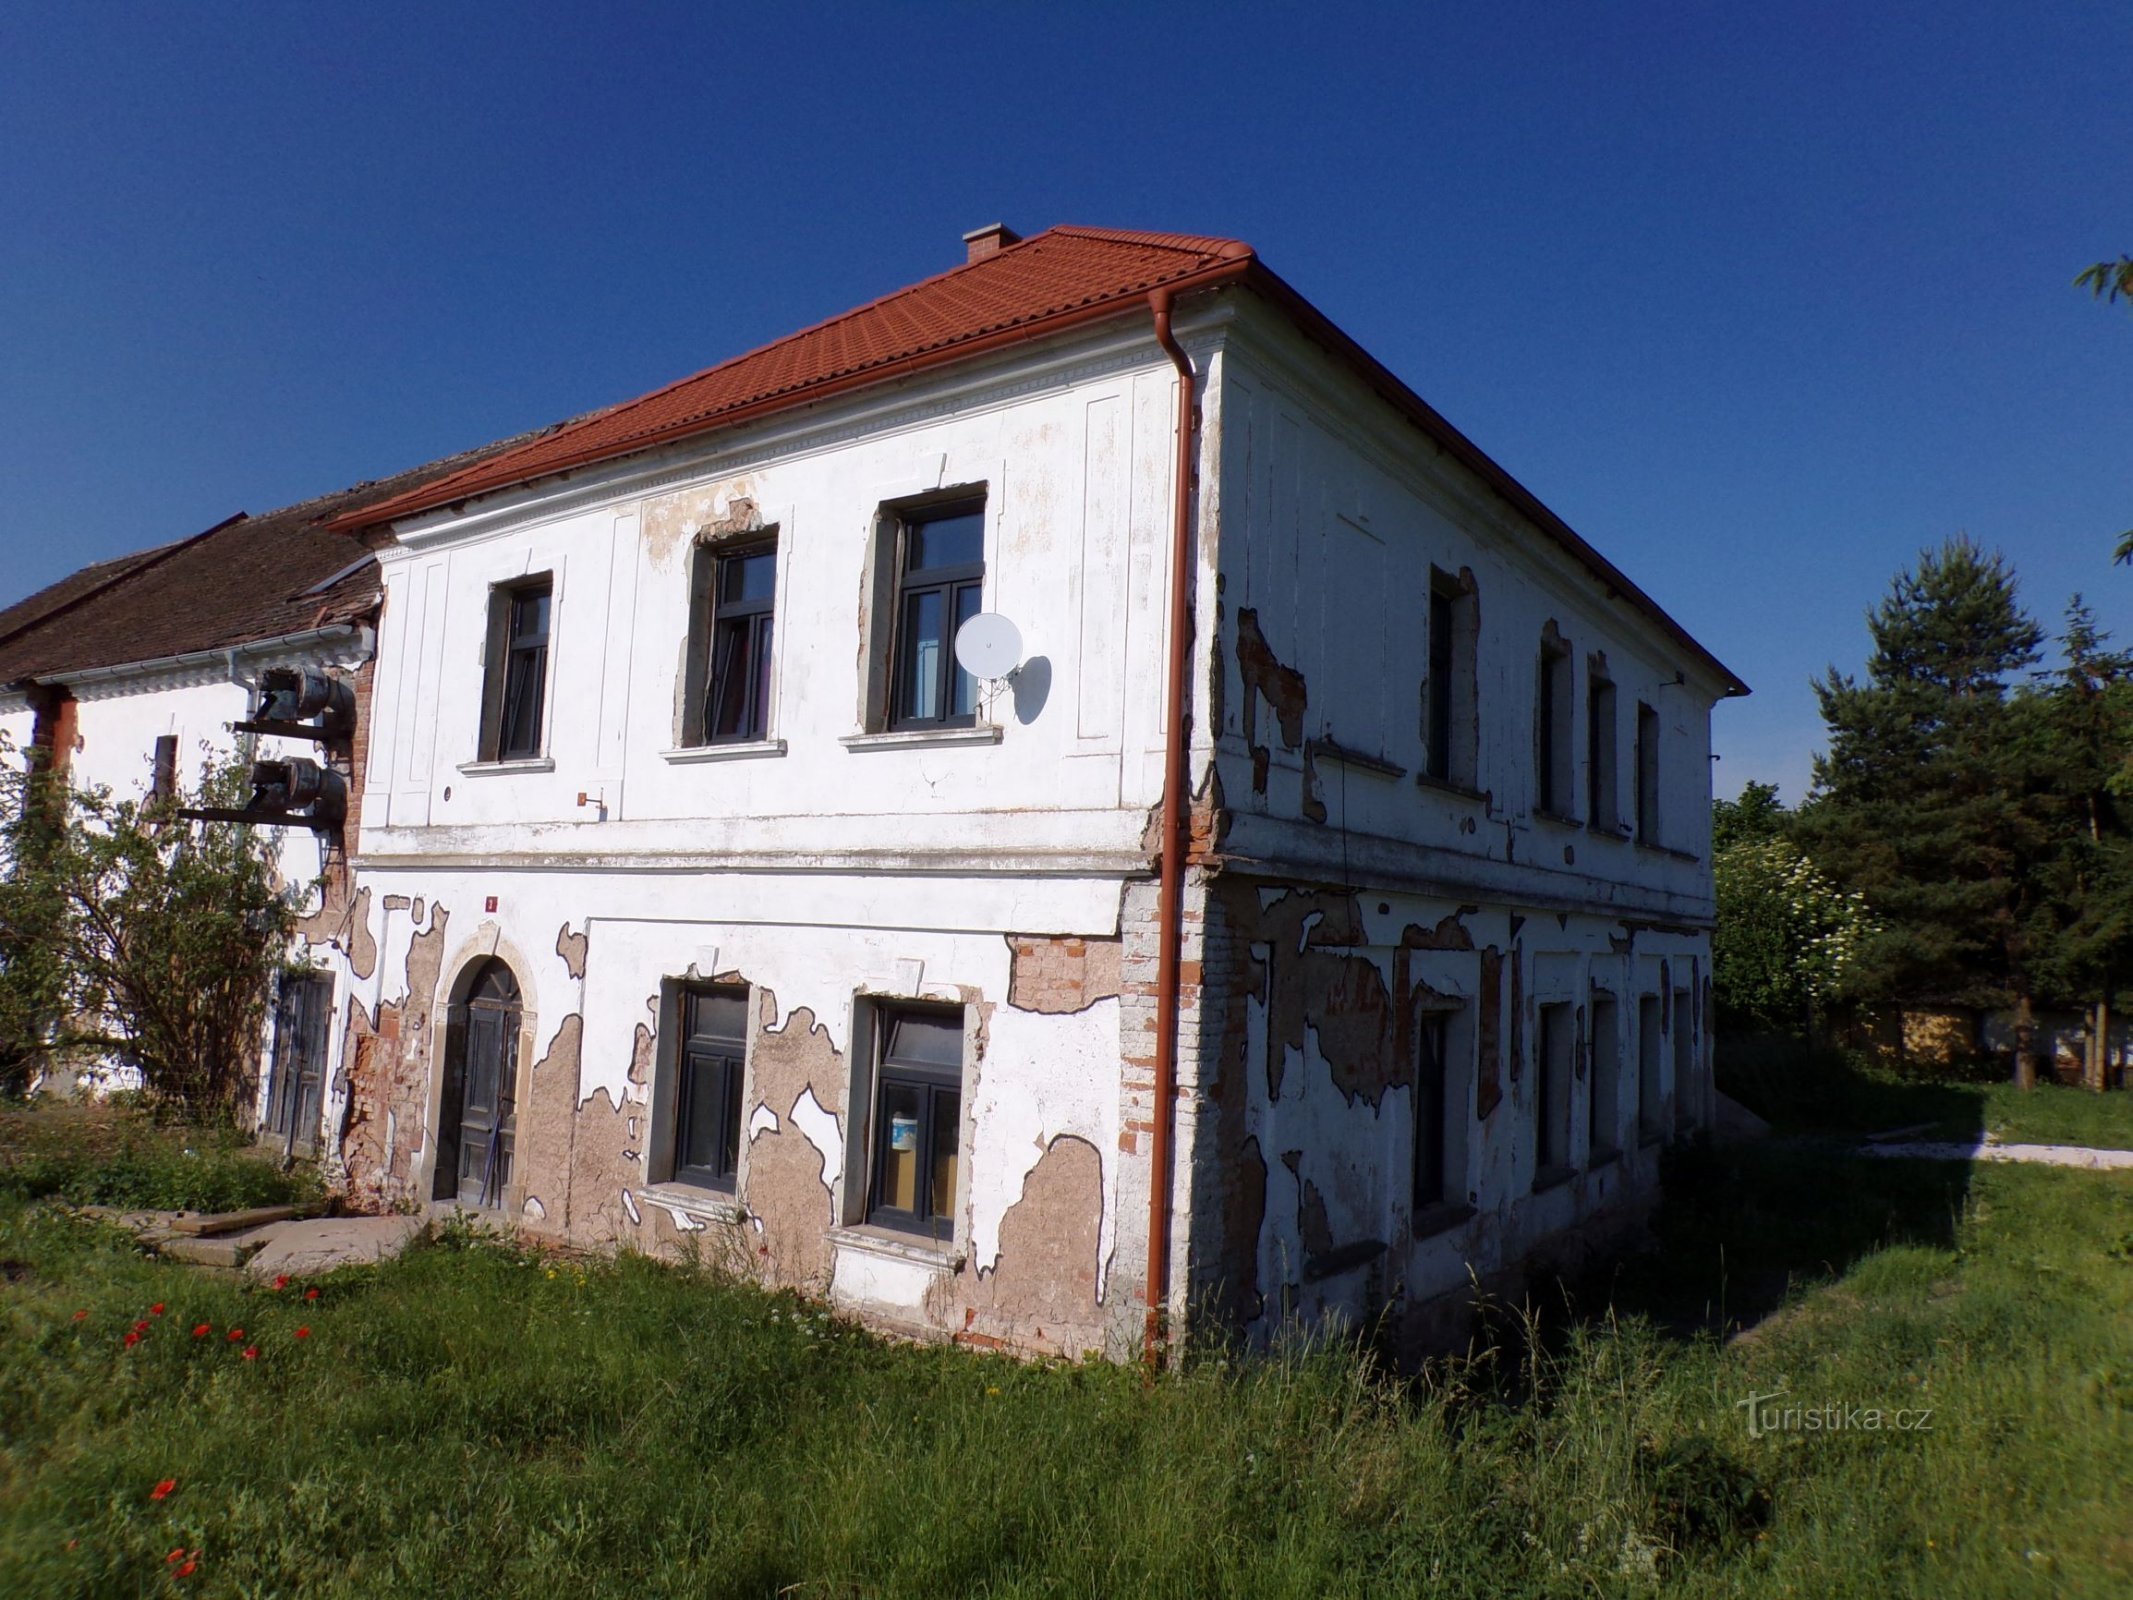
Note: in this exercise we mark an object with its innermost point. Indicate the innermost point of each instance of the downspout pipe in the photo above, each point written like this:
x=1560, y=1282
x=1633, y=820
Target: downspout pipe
x=1170, y=904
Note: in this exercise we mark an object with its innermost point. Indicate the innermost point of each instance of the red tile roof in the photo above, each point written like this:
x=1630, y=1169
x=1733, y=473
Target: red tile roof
x=1055, y=280
x=1062, y=276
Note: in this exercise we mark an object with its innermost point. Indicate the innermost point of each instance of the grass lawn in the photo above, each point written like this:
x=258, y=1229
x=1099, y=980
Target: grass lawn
x=477, y=1420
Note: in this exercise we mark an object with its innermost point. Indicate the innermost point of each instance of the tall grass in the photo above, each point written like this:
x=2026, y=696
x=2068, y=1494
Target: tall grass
x=475, y=1419
x=118, y=1155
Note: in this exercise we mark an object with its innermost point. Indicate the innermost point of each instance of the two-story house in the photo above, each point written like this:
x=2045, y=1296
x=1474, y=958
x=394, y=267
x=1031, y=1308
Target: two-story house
x=720, y=910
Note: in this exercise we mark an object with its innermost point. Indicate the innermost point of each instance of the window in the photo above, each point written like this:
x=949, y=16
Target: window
x=1552, y=732
x=1604, y=1132
x=1684, y=1064
x=918, y=1121
x=515, y=690
x=731, y=629
x=1602, y=809
x=1440, y=1114
x=1551, y=1098
x=1647, y=775
x=707, y=1095
x=940, y=578
x=1448, y=706
x=1649, y=1126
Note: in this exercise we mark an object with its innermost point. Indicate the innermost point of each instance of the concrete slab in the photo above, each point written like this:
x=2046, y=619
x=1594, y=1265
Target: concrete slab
x=307, y=1249
x=221, y=1249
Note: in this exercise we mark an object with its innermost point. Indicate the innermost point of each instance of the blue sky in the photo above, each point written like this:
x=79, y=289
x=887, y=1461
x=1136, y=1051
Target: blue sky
x=1762, y=300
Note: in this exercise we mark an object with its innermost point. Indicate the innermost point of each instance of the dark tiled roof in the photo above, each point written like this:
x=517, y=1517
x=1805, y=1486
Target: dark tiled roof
x=244, y=580
x=1062, y=275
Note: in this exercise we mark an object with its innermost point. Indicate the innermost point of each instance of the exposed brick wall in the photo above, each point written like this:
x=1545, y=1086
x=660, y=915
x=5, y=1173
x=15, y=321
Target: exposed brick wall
x=1062, y=975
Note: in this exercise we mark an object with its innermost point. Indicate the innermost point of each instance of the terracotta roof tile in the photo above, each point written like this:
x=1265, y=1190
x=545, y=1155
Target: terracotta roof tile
x=1062, y=273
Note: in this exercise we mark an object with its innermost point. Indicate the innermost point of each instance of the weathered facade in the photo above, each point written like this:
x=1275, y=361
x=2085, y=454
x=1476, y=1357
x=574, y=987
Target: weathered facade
x=714, y=912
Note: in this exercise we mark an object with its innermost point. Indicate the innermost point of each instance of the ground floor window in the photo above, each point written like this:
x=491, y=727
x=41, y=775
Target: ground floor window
x=1684, y=1063
x=918, y=1120
x=1603, y=1132
x=1441, y=1111
x=707, y=1107
x=1551, y=1098
x=303, y=1013
x=1649, y=1127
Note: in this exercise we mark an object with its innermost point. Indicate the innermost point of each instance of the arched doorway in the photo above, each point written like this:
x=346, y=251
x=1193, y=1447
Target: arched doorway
x=479, y=1114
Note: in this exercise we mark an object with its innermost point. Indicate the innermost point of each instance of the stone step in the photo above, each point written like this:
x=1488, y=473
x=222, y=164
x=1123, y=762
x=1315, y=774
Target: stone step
x=221, y=1249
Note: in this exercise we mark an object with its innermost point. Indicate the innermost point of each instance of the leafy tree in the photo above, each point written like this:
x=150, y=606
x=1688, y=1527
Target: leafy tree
x=1787, y=939
x=1757, y=814
x=2108, y=280
x=162, y=936
x=1926, y=802
x=32, y=916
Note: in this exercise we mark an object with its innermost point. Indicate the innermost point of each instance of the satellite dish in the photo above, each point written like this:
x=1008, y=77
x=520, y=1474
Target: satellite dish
x=988, y=646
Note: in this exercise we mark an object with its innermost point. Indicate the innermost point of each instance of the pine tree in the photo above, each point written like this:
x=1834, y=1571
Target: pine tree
x=2085, y=713
x=1926, y=800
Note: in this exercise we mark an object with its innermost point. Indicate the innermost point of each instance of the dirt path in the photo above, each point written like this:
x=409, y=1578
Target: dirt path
x=1990, y=1149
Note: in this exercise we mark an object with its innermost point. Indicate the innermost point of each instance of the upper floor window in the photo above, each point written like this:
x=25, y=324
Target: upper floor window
x=515, y=686
x=1552, y=730
x=731, y=633
x=1647, y=775
x=1602, y=808
x=940, y=580
x=1448, y=708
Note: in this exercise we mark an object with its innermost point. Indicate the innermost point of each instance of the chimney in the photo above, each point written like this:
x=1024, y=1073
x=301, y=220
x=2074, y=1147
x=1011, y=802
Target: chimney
x=989, y=240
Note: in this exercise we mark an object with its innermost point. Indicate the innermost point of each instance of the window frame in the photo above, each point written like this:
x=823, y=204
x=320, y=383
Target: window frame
x=1450, y=716
x=724, y=1057
x=950, y=583
x=1651, y=1086
x=1554, y=1092
x=932, y=1081
x=1681, y=1024
x=1554, y=728
x=1603, y=1122
x=1603, y=782
x=709, y=610
x=503, y=683
x=1648, y=742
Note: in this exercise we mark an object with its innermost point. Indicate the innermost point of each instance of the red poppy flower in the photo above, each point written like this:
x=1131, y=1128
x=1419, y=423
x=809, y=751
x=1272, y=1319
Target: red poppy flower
x=162, y=1490
x=81, y=1316
x=141, y=1326
x=132, y=1339
x=202, y=1331
x=280, y=1284
x=156, y=1310
x=236, y=1334
x=303, y=1333
x=174, y=1557
x=251, y=1352
x=309, y=1294
x=186, y=1571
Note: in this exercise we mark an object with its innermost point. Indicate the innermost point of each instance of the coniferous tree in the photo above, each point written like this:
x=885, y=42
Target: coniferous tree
x=1927, y=800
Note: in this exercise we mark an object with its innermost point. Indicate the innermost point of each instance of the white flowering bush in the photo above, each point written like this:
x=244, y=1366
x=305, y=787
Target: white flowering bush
x=1787, y=938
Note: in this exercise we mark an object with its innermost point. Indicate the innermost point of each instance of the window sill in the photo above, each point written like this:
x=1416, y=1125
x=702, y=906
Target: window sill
x=1446, y=786
x=489, y=769
x=1669, y=851
x=740, y=750
x=923, y=738
x=1602, y=1158
x=1608, y=830
x=1439, y=1218
x=705, y=1205
x=870, y=1240
x=1557, y=819
x=1552, y=1178
x=1327, y=750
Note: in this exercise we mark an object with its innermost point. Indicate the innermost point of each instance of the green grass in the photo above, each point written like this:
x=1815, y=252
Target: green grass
x=1802, y=1089
x=477, y=1420
x=117, y=1155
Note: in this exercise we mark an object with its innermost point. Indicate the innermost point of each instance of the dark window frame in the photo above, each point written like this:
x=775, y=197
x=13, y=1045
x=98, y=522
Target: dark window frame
x=1450, y=706
x=515, y=687
x=1650, y=1064
x=1603, y=803
x=714, y=618
x=1648, y=743
x=1554, y=715
x=935, y=1085
x=1603, y=1121
x=1432, y=1173
x=1554, y=1092
x=714, y=1063
x=950, y=583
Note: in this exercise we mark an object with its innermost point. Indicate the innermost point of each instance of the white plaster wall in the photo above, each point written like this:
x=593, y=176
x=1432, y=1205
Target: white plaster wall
x=1075, y=467
x=1333, y=512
